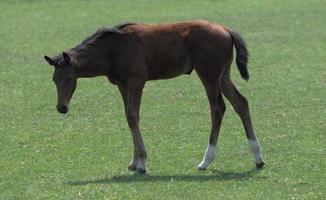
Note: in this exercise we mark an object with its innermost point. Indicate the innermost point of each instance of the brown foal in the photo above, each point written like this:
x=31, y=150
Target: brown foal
x=131, y=54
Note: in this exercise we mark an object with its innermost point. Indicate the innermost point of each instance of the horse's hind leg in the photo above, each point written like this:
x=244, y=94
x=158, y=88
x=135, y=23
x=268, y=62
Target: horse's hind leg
x=217, y=106
x=240, y=105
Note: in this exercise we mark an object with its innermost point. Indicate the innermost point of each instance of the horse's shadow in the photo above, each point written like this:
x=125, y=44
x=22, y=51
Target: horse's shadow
x=213, y=175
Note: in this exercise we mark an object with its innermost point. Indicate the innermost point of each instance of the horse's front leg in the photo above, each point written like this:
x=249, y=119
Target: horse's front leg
x=133, y=163
x=134, y=90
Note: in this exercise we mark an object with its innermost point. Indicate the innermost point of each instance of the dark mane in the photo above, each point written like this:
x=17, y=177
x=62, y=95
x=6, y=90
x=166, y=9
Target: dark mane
x=121, y=26
x=94, y=38
x=98, y=35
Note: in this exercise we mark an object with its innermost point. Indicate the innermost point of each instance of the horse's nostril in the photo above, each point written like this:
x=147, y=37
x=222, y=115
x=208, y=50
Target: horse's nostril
x=62, y=109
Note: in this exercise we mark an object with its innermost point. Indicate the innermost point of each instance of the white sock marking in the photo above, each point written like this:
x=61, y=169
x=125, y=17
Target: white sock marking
x=141, y=164
x=133, y=162
x=209, y=157
x=255, y=149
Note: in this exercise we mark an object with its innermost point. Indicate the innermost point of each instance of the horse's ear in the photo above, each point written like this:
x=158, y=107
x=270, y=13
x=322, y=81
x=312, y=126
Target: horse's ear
x=49, y=60
x=66, y=57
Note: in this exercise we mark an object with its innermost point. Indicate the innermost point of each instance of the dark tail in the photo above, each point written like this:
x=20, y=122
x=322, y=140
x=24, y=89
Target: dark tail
x=242, y=54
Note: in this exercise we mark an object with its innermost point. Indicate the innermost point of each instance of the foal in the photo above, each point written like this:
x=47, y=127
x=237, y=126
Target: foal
x=131, y=54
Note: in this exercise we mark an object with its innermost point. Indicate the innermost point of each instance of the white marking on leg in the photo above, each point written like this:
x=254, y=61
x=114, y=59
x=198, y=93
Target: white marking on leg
x=133, y=162
x=141, y=166
x=209, y=157
x=255, y=149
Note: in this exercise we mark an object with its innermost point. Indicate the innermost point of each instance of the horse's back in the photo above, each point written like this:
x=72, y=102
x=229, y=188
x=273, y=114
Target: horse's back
x=174, y=48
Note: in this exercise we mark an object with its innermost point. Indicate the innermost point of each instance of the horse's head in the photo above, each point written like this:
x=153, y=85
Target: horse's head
x=65, y=79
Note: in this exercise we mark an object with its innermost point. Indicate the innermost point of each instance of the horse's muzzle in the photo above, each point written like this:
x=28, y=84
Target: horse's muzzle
x=62, y=109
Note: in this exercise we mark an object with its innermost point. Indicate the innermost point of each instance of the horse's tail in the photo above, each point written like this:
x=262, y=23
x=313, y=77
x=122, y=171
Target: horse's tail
x=242, y=54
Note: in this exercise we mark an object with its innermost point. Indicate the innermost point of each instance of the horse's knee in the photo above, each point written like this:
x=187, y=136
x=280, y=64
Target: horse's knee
x=217, y=112
x=132, y=118
x=222, y=106
x=219, y=109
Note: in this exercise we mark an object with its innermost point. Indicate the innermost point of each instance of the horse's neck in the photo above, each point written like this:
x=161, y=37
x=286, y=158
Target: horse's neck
x=90, y=66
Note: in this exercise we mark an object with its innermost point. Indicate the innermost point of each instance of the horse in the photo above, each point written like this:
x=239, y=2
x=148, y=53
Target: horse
x=131, y=54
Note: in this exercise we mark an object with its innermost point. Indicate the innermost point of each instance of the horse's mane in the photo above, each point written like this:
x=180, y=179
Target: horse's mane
x=98, y=36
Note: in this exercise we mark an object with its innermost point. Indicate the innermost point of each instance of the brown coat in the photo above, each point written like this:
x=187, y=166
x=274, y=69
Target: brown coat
x=131, y=54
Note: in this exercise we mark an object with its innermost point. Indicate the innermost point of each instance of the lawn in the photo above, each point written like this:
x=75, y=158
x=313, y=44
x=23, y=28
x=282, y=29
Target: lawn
x=84, y=155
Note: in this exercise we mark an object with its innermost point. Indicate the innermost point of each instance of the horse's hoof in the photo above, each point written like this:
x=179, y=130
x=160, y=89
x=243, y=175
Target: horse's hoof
x=201, y=168
x=141, y=171
x=260, y=165
x=132, y=168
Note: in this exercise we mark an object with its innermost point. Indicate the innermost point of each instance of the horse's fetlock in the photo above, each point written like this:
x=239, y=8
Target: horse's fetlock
x=143, y=154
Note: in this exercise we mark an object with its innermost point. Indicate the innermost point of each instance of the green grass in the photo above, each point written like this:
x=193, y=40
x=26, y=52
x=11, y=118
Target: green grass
x=84, y=155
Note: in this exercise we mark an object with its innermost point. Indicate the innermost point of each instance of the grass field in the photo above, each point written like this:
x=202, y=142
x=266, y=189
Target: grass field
x=84, y=155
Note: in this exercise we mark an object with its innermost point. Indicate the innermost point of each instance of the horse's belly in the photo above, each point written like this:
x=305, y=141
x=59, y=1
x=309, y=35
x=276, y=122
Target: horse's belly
x=169, y=69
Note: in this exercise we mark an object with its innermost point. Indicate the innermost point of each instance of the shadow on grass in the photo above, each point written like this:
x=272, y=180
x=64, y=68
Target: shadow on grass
x=213, y=175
